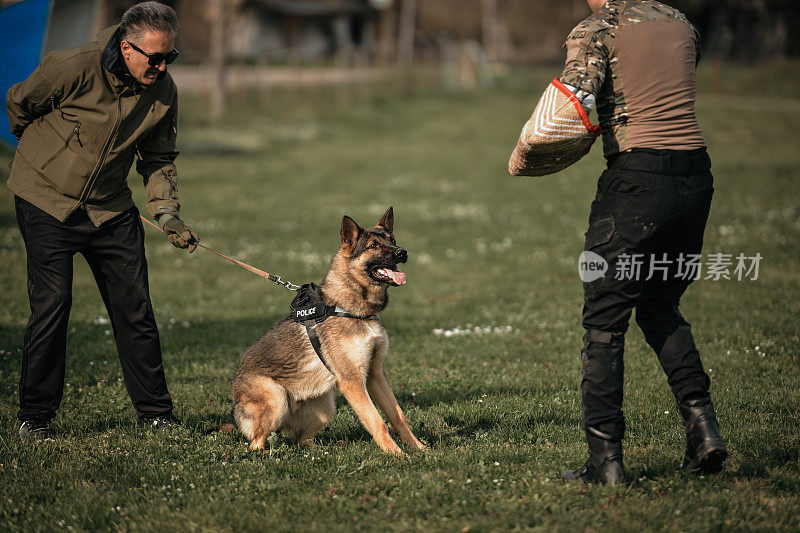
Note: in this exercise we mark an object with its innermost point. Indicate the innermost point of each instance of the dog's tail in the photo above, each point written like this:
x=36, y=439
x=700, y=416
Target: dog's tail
x=224, y=428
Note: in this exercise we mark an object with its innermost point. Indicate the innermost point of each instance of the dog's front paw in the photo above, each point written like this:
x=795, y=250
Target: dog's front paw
x=394, y=450
x=415, y=443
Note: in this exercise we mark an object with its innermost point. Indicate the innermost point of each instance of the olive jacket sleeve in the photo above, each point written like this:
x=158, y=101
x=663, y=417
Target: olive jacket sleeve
x=36, y=96
x=156, y=164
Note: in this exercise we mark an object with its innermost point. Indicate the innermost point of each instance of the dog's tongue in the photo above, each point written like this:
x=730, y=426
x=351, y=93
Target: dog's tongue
x=395, y=275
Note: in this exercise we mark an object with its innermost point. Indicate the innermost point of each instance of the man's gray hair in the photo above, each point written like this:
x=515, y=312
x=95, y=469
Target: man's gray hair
x=148, y=16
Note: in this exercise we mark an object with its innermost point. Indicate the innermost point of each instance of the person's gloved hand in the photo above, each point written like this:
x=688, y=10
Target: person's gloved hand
x=179, y=234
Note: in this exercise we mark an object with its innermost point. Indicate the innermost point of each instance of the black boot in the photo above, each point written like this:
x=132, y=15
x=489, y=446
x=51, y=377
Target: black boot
x=705, y=449
x=605, y=460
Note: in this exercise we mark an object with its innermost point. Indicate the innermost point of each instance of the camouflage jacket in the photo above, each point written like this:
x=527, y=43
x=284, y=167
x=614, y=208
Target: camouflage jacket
x=638, y=58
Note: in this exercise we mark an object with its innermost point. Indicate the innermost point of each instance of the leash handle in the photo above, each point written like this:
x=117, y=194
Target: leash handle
x=257, y=271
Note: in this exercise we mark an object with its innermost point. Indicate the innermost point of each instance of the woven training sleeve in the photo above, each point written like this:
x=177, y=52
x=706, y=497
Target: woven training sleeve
x=557, y=135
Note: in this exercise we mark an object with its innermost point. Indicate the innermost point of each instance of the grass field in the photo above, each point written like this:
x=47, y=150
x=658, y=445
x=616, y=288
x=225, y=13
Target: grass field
x=501, y=410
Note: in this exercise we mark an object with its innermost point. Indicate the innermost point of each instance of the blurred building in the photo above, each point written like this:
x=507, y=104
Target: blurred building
x=290, y=31
x=370, y=31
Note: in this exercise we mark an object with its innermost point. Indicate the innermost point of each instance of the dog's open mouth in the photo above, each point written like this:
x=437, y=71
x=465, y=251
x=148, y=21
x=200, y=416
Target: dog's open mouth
x=389, y=275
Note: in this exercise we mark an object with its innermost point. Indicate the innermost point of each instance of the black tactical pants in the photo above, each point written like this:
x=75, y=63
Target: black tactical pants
x=115, y=253
x=650, y=210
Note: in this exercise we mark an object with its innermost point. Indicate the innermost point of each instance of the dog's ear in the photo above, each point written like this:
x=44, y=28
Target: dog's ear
x=350, y=233
x=387, y=222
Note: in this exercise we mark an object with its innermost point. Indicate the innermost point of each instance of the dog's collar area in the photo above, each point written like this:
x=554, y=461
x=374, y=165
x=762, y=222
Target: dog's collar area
x=309, y=305
x=309, y=309
x=319, y=313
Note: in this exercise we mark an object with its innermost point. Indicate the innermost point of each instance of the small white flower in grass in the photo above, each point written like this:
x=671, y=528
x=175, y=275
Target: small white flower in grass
x=666, y=412
x=469, y=481
x=470, y=329
x=496, y=463
x=100, y=321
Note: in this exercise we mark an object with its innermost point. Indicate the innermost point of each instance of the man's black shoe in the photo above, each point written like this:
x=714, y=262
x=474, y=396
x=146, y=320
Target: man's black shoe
x=605, y=461
x=705, y=449
x=164, y=422
x=36, y=430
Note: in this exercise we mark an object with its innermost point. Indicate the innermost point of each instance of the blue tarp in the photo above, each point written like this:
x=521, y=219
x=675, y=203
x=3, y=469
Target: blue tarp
x=23, y=27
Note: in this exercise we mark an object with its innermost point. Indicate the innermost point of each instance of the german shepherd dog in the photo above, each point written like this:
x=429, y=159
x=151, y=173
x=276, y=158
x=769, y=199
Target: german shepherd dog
x=281, y=382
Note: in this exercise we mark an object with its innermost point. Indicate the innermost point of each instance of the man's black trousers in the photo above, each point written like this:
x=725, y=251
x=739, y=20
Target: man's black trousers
x=650, y=209
x=115, y=253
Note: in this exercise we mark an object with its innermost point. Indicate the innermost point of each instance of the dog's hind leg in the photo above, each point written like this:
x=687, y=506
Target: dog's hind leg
x=311, y=416
x=260, y=410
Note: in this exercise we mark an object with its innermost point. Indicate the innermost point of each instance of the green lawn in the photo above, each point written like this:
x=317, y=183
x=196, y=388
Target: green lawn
x=500, y=411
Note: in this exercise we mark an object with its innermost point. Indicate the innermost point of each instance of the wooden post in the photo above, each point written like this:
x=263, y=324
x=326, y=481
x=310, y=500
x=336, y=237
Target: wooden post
x=407, y=33
x=218, y=58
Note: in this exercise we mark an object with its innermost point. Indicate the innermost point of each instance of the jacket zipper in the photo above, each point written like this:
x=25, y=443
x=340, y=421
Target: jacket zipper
x=87, y=189
x=74, y=133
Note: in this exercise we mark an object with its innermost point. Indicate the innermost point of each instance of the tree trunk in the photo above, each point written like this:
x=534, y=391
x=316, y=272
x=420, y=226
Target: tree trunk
x=407, y=32
x=490, y=30
x=386, y=36
x=218, y=57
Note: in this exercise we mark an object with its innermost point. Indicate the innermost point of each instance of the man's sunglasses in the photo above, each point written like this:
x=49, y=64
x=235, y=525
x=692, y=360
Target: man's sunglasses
x=156, y=58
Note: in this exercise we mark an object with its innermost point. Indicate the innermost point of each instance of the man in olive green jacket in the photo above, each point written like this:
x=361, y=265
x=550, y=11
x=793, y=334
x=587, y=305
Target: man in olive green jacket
x=81, y=118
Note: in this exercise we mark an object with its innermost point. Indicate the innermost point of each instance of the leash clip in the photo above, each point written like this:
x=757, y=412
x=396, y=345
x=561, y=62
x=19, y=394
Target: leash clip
x=286, y=284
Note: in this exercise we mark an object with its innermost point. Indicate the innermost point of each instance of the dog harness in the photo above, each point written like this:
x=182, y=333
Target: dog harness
x=309, y=309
